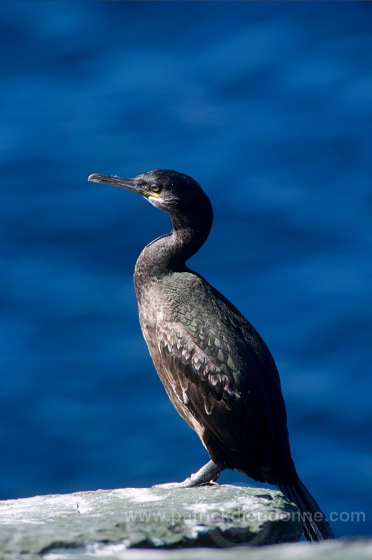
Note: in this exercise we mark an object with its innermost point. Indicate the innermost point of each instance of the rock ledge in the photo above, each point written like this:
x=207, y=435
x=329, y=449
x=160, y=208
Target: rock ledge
x=213, y=516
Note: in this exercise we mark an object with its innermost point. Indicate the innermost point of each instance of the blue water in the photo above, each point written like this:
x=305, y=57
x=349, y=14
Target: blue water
x=268, y=106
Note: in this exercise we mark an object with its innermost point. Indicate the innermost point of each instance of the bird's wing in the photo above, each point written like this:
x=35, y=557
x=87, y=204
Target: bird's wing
x=204, y=370
x=197, y=359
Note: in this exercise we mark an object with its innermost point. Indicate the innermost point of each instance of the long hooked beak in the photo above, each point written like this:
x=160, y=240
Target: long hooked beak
x=128, y=184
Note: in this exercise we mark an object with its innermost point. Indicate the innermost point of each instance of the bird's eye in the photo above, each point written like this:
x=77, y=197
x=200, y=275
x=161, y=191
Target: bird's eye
x=156, y=188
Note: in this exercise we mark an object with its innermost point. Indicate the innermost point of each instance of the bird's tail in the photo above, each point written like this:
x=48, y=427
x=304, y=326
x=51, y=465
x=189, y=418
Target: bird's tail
x=314, y=523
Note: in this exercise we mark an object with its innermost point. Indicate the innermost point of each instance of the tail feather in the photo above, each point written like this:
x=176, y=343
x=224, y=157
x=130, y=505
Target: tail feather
x=314, y=523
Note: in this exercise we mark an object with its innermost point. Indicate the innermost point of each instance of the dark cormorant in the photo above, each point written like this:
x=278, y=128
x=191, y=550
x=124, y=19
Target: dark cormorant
x=215, y=367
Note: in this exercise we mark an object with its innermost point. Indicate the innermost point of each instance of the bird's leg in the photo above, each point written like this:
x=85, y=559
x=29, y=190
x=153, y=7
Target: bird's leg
x=206, y=475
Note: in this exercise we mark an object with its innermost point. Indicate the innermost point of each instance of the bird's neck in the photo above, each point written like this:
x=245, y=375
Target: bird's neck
x=169, y=253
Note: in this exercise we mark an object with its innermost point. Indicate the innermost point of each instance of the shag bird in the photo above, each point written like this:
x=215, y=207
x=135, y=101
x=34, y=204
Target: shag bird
x=215, y=367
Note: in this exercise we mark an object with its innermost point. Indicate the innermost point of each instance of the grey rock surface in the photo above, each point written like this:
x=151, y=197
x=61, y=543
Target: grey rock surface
x=110, y=522
x=329, y=550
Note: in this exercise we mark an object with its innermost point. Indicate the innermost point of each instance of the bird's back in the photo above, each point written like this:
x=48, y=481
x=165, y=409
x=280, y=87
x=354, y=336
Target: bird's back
x=217, y=371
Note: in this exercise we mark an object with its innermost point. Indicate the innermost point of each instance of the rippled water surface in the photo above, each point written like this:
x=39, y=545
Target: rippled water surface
x=268, y=106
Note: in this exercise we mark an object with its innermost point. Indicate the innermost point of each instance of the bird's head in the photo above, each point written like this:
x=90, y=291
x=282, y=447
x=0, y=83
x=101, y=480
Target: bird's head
x=175, y=193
